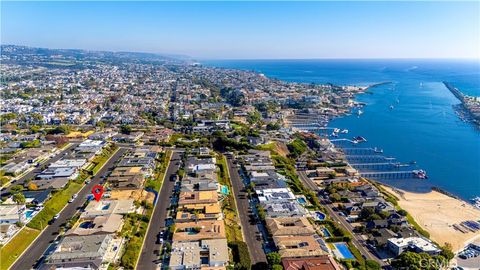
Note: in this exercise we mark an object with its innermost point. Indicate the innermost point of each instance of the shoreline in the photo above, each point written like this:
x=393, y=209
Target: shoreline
x=365, y=91
x=436, y=213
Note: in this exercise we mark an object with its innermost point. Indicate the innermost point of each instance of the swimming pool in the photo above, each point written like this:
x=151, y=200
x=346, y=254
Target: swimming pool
x=86, y=225
x=302, y=200
x=326, y=233
x=344, y=251
x=320, y=215
x=28, y=214
x=224, y=190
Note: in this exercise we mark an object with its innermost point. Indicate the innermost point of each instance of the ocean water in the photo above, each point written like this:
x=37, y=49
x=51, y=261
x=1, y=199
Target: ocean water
x=422, y=126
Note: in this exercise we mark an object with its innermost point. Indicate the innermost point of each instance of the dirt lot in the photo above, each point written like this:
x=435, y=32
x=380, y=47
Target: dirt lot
x=132, y=194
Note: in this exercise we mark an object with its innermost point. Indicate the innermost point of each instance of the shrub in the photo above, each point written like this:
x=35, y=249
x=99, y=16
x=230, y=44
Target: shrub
x=241, y=257
x=274, y=258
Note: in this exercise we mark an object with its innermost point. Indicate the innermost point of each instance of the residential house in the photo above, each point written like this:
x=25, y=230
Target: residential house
x=75, y=252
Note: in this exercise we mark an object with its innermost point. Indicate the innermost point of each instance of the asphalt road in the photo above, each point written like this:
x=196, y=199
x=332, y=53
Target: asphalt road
x=29, y=258
x=38, y=170
x=149, y=257
x=249, y=224
x=345, y=224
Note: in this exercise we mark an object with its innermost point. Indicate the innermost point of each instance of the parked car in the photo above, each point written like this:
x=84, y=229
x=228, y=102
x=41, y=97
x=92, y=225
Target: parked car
x=53, y=219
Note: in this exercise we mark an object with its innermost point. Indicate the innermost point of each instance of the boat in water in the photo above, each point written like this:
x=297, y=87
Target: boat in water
x=420, y=174
x=391, y=107
x=359, y=112
x=476, y=202
x=345, y=131
x=359, y=139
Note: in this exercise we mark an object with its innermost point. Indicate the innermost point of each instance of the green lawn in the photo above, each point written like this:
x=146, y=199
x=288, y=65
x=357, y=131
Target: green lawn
x=134, y=231
x=103, y=157
x=54, y=205
x=155, y=183
x=232, y=227
x=16, y=246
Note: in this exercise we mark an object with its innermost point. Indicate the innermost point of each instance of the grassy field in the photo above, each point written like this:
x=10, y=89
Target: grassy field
x=54, y=205
x=134, y=230
x=155, y=183
x=10, y=252
x=103, y=157
x=232, y=227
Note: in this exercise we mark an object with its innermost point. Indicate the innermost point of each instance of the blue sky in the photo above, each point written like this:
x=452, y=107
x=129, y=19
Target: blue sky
x=250, y=30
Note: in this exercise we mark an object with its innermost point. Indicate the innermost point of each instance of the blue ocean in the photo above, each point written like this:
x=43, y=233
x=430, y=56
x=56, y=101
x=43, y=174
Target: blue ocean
x=413, y=118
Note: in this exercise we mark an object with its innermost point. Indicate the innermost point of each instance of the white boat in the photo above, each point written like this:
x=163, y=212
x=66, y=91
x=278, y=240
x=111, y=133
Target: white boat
x=359, y=112
x=420, y=174
x=336, y=130
x=476, y=202
x=345, y=131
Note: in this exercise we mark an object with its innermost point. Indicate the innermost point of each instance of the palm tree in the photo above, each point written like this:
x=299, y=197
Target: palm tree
x=19, y=198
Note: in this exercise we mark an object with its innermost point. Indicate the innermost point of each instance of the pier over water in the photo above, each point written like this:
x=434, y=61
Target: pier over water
x=371, y=163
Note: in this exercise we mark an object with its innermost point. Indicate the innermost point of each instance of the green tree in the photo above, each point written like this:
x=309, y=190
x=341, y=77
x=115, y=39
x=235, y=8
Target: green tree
x=402, y=212
x=254, y=117
x=372, y=265
x=18, y=198
x=297, y=147
x=274, y=258
x=335, y=197
x=418, y=261
x=273, y=126
x=125, y=129
x=366, y=213
x=277, y=267
x=16, y=189
x=241, y=256
x=447, y=251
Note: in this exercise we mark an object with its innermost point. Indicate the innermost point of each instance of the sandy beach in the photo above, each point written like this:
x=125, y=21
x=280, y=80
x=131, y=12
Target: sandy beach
x=436, y=213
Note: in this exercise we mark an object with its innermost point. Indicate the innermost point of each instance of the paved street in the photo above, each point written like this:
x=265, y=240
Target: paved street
x=36, y=171
x=337, y=218
x=50, y=233
x=249, y=224
x=149, y=257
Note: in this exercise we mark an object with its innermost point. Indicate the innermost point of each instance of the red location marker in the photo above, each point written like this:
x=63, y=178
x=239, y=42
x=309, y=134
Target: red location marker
x=97, y=192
